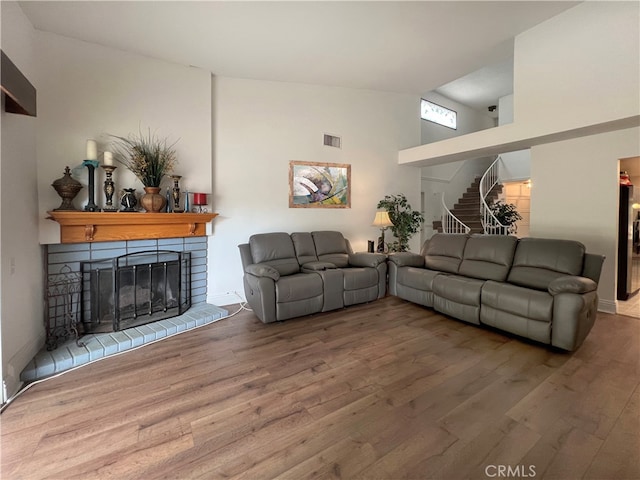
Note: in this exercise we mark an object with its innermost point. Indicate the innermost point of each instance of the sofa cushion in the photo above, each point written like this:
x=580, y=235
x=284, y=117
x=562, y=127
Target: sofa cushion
x=520, y=301
x=275, y=249
x=298, y=287
x=418, y=278
x=331, y=247
x=444, y=252
x=539, y=261
x=458, y=289
x=357, y=278
x=488, y=257
x=304, y=247
x=458, y=297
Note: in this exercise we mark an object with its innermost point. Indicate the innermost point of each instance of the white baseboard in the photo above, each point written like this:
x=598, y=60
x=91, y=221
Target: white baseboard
x=607, y=306
x=222, y=299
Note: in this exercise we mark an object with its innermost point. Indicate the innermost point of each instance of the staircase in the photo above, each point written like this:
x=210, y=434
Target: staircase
x=467, y=209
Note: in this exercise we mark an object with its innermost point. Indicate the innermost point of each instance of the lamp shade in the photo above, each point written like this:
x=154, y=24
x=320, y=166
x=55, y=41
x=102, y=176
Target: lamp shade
x=382, y=220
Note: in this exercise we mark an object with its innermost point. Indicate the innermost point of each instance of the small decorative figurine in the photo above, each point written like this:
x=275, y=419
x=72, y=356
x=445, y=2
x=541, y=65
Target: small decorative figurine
x=129, y=200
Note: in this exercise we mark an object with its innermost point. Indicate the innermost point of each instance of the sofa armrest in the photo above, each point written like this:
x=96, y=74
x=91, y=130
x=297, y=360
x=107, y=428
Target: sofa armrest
x=572, y=284
x=366, y=259
x=263, y=271
x=317, y=266
x=407, y=259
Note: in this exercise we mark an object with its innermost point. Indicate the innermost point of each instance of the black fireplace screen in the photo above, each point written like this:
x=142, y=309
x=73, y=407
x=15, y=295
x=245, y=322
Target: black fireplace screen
x=135, y=289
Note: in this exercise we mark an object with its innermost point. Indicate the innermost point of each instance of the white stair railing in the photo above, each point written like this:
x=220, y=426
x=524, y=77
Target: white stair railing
x=450, y=223
x=490, y=223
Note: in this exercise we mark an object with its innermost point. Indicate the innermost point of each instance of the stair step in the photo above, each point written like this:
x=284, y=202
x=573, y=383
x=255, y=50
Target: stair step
x=468, y=218
x=470, y=224
x=474, y=195
x=469, y=200
x=466, y=207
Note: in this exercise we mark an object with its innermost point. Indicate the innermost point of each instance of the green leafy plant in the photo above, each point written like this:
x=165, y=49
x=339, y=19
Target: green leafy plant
x=147, y=156
x=506, y=214
x=406, y=221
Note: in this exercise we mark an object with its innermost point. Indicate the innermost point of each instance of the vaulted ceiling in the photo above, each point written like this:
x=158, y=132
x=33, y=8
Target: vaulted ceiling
x=407, y=47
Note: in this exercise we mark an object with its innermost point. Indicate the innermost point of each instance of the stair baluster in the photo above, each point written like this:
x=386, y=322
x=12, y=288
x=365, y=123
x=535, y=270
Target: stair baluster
x=451, y=223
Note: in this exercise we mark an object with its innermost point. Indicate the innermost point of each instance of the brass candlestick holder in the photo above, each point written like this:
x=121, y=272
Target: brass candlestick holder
x=109, y=188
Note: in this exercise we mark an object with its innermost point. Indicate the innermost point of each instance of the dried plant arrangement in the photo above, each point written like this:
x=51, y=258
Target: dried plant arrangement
x=147, y=156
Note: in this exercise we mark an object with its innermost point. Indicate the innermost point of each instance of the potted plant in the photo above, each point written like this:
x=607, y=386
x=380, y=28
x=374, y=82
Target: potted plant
x=506, y=214
x=406, y=221
x=150, y=159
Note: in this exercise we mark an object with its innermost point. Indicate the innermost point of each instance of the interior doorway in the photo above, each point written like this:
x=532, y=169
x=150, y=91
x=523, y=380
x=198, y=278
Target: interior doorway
x=630, y=306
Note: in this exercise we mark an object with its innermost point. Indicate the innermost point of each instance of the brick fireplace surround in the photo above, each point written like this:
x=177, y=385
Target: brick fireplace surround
x=95, y=346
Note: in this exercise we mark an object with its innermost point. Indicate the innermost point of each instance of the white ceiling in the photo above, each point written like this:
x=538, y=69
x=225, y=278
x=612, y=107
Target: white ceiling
x=406, y=47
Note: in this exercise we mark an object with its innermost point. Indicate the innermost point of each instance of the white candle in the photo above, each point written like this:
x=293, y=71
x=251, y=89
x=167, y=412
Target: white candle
x=108, y=158
x=92, y=150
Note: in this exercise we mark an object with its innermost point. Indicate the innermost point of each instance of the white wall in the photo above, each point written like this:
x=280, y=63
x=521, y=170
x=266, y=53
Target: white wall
x=580, y=67
x=516, y=165
x=89, y=91
x=21, y=310
x=260, y=126
x=575, y=193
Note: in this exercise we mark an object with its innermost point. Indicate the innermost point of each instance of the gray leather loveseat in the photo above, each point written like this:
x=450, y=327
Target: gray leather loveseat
x=287, y=276
x=542, y=289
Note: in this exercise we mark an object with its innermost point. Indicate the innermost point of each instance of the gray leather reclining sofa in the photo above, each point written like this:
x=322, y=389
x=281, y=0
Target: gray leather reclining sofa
x=541, y=289
x=287, y=276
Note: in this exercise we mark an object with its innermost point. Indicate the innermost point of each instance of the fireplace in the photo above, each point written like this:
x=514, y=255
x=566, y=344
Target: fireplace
x=134, y=289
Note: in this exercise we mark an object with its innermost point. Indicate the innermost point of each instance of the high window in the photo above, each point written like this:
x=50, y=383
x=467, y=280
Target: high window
x=438, y=114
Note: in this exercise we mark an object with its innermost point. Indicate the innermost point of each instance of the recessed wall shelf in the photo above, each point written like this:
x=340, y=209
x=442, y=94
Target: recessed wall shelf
x=79, y=226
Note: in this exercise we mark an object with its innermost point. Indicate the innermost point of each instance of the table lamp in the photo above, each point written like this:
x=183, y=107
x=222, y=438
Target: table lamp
x=382, y=221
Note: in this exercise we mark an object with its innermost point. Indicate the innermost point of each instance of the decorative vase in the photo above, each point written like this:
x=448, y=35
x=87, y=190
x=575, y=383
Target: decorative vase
x=152, y=201
x=67, y=187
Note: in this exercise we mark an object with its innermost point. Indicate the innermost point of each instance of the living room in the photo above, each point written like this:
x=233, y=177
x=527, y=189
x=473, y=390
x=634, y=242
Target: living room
x=236, y=137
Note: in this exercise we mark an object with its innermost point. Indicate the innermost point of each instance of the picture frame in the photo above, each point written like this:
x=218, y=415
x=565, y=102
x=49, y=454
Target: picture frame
x=319, y=185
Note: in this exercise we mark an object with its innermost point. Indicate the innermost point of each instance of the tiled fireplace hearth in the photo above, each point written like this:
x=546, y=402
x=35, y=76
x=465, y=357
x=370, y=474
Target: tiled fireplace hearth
x=66, y=261
x=63, y=285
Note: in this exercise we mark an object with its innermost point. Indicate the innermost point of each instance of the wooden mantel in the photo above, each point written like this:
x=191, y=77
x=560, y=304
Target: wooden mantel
x=79, y=227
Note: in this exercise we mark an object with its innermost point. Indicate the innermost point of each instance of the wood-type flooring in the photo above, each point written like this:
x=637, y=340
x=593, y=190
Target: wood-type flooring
x=386, y=390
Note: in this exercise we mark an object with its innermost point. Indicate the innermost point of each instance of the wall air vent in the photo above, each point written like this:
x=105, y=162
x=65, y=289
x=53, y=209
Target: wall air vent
x=332, y=141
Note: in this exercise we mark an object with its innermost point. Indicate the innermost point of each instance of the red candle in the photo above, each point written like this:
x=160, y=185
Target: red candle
x=199, y=198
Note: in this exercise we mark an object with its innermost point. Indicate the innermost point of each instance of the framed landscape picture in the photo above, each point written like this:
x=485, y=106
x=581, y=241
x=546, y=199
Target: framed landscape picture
x=319, y=185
